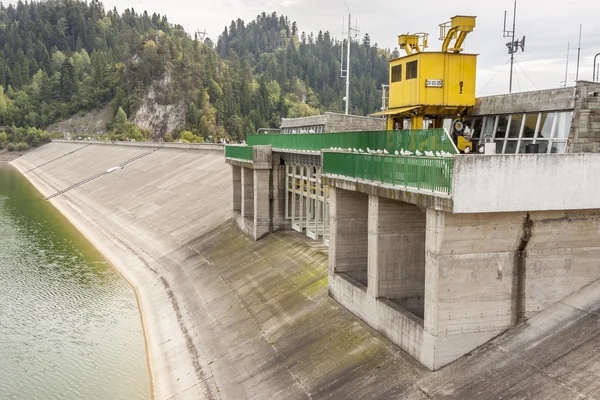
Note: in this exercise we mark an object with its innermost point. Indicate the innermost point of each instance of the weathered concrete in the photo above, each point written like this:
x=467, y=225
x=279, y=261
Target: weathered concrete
x=534, y=101
x=397, y=253
x=228, y=317
x=153, y=145
x=525, y=182
x=348, y=244
x=333, y=122
x=225, y=316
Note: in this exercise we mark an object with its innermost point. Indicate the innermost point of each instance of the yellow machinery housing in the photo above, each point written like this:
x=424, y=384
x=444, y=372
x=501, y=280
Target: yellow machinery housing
x=432, y=89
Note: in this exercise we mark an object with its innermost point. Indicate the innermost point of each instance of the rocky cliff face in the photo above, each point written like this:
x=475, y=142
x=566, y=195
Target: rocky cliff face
x=94, y=122
x=158, y=113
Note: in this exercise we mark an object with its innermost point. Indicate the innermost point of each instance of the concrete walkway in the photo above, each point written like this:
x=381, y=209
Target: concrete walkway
x=227, y=317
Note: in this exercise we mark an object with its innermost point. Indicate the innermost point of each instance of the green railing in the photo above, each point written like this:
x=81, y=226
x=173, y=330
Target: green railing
x=238, y=152
x=423, y=173
x=410, y=140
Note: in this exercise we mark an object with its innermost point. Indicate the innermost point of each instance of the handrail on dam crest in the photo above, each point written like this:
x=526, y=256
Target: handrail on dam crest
x=409, y=140
x=422, y=173
x=238, y=152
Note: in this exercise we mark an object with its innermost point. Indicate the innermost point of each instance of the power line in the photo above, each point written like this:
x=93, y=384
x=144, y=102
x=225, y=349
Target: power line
x=530, y=80
x=494, y=77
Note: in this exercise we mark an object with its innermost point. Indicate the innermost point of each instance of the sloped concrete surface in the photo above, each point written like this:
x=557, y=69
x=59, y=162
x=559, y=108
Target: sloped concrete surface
x=226, y=317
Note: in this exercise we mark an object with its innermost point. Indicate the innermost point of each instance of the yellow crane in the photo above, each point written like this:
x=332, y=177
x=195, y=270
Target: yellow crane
x=434, y=89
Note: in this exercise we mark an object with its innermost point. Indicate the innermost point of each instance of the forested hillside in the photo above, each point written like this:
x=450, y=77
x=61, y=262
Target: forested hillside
x=62, y=57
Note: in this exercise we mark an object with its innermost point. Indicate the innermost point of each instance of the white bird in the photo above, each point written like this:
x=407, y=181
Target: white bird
x=368, y=150
x=429, y=153
x=354, y=150
x=385, y=151
x=398, y=153
x=349, y=149
x=408, y=153
x=361, y=151
x=438, y=154
x=417, y=152
x=331, y=148
x=379, y=152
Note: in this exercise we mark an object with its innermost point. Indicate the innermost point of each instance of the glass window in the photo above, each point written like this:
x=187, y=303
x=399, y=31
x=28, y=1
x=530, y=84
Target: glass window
x=477, y=124
x=499, y=146
x=563, y=125
x=523, y=145
x=515, y=126
x=397, y=73
x=545, y=130
x=530, y=123
x=488, y=127
x=502, y=124
x=511, y=146
x=558, y=147
x=543, y=146
x=411, y=69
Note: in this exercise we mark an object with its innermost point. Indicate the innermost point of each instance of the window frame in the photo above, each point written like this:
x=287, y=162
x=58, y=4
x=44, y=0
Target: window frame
x=412, y=66
x=399, y=76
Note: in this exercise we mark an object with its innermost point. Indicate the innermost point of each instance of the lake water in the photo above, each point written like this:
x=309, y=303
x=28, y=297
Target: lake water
x=70, y=327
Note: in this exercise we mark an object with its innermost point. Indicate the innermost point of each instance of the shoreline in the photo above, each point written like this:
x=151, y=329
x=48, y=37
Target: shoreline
x=77, y=220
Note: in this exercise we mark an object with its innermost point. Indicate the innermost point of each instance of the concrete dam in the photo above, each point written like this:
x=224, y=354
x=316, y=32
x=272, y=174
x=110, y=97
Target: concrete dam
x=228, y=317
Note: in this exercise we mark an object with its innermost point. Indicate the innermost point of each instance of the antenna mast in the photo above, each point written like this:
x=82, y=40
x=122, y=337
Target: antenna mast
x=578, y=54
x=345, y=73
x=513, y=45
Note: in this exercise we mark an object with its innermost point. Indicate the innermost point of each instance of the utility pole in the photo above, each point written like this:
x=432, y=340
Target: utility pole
x=594, y=76
x=513, y=45
x=345, y=73
x=578, y=55
x=567, y=67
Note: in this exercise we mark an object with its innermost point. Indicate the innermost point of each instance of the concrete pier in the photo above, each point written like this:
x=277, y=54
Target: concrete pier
x=447, y=275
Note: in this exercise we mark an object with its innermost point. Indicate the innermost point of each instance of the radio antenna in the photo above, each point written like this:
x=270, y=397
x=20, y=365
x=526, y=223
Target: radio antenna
x=513, y=45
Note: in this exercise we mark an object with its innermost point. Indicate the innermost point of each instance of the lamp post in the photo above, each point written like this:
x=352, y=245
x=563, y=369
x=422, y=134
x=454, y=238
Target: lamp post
x=594, y=69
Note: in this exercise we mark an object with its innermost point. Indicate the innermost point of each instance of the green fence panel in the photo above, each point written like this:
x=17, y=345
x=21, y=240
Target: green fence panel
x=238, y=152
x=423, y=173
x=409, y=140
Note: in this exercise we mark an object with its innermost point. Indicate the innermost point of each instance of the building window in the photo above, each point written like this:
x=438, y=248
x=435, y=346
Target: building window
x=476, y=125
x=512, y=133
x=397, y=73
x=563, y=125
x=411, y=69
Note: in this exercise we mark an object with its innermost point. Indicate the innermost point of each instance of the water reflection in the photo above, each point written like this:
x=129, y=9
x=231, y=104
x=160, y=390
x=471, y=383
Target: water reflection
x=69, y=323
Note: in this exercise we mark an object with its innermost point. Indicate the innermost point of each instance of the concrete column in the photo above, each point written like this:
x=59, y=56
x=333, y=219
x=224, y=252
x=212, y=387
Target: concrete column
x=278, y=182
x=348, y=238
x=472, y=289
x=247, y=208
x=262, y=220
x=397, y=253
x=236, y=177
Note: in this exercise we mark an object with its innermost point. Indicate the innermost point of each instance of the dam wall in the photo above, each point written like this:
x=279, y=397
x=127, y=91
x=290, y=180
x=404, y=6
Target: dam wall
x=225, y=316
x=228, y=317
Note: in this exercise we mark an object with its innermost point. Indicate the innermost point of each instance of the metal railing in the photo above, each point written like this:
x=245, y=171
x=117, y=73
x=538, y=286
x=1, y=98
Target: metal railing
x=421, y=173
x=236, y=152
x=409, y=140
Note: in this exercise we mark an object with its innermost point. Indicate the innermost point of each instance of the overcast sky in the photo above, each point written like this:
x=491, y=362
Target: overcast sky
x=547, y=24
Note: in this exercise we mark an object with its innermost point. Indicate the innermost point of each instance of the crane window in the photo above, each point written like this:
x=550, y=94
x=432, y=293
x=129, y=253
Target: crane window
x=397, y=73
x=411, y=69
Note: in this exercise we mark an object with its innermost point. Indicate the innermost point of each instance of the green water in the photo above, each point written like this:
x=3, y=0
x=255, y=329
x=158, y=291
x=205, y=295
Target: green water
x=69, y=323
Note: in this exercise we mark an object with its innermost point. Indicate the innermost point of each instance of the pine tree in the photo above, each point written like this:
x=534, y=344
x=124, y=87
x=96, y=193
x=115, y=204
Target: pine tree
x=120, y=118
x=68, y=85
